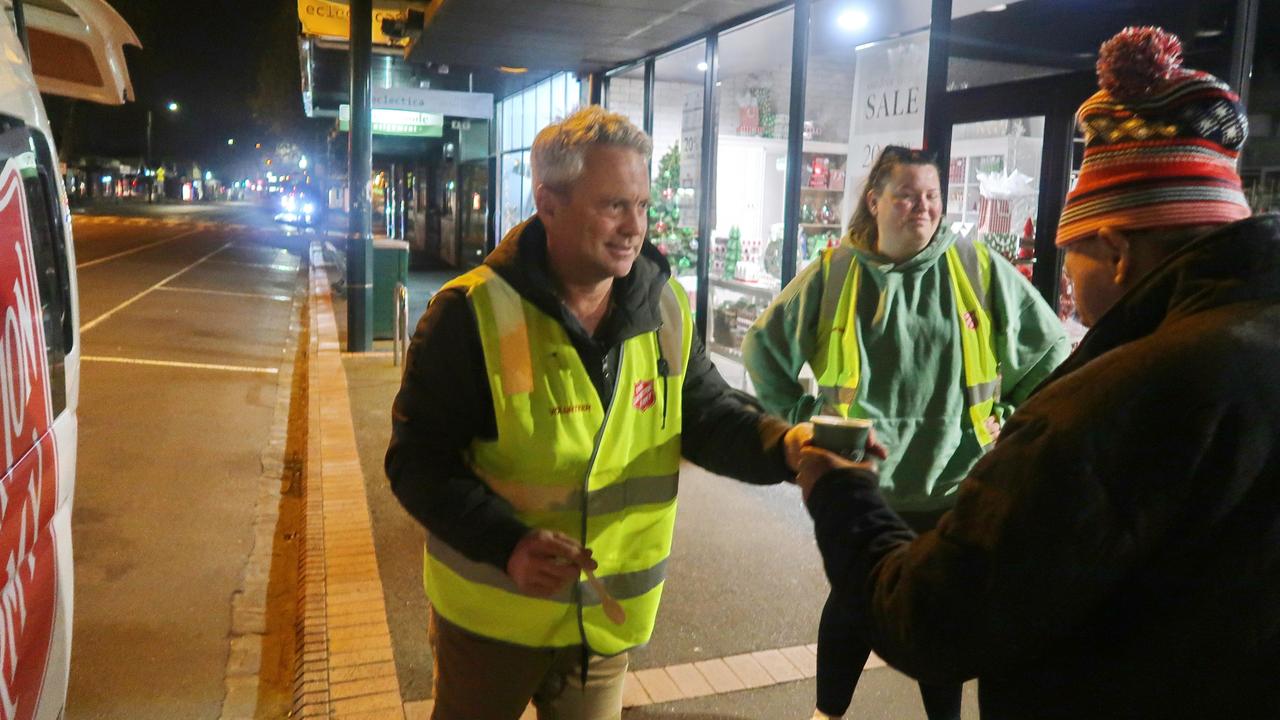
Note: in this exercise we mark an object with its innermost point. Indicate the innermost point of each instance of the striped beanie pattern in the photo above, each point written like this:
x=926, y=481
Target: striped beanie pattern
x=1161, y=143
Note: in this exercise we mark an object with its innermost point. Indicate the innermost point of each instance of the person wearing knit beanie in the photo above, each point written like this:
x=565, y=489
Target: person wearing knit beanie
x=1161, y=146
x=1116, y=554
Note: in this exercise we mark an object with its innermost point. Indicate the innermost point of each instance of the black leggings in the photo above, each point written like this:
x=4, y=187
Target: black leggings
x=842, y=653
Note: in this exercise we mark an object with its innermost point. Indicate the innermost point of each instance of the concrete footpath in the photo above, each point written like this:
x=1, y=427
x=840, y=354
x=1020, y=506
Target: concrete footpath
x=362, y=646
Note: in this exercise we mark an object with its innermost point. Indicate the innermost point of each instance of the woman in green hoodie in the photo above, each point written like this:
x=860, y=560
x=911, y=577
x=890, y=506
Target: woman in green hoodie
x=931, y=337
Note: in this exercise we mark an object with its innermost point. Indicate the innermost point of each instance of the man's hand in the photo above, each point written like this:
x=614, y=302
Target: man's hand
x=794, y=441
x=544, y=562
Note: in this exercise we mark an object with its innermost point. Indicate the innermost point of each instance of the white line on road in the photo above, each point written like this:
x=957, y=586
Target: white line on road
x=175, y=363
x=140, y=248
x=94, y=322
x=257, y=296
x=282, y=268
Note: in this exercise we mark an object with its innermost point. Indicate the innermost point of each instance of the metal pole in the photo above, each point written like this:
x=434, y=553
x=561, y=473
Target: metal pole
x=795, y=140
x=707, y=183
x=359, y=179
x=1242, y=44
x=20, y=24
x=937, y=128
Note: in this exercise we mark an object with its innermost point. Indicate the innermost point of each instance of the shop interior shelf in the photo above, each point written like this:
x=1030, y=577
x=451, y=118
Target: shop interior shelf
x=764, y=291
x=821, y=225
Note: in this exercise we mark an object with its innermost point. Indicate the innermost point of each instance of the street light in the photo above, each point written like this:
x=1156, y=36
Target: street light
x=231, y=141
x=171, y=107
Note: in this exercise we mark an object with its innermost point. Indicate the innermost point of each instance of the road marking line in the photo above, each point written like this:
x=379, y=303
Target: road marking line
x=94, y=322
x=272, y=266
x=258, y=296
x=178, y=364
x=140, y=248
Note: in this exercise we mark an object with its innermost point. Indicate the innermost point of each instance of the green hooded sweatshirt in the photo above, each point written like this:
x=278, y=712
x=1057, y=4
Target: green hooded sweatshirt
x=912, y=383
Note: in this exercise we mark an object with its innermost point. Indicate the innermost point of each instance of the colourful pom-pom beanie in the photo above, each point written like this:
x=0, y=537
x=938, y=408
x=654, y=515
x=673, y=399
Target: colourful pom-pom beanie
x=1161, y=143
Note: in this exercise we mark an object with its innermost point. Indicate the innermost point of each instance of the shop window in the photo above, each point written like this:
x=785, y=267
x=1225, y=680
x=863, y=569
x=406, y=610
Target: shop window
x=753, y=91
x=626, y=94
x=559, y=97
x=676, y=164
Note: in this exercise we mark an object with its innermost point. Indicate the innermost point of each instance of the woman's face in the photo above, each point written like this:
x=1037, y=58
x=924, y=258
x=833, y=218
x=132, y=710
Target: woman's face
x=907, y=210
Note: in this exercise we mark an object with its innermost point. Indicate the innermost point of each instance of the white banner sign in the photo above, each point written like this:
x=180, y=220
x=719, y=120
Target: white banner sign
x=888, y=105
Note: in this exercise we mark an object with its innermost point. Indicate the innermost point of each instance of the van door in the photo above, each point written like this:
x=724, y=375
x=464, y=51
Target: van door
x=38, y=388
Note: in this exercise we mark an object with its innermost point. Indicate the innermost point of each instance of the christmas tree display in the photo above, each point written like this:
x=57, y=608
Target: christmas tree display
x=677, y=243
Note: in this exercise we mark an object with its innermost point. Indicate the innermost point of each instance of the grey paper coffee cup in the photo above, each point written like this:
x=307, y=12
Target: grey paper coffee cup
x=845, y=436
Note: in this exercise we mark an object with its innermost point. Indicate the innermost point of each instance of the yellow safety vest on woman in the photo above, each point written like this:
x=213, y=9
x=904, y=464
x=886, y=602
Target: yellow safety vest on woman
x=608, y=479
x=838, y=356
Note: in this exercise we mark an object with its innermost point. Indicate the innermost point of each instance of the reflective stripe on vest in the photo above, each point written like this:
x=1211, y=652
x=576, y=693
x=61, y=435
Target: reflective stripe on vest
x=563, y=463
x=838, y=357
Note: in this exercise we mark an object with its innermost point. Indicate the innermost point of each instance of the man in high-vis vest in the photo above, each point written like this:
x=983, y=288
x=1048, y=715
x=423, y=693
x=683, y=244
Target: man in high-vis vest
x=547, y=401
x=1116, y=554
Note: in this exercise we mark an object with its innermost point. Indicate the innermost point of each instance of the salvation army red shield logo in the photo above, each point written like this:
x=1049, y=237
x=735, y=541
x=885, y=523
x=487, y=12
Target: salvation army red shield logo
x=28, y=489
x=642, y=395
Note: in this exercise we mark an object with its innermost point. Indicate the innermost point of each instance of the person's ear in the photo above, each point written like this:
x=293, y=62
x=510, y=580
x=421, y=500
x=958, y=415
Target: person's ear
x=873, y=202
x=1119, y=252
x=546, y=200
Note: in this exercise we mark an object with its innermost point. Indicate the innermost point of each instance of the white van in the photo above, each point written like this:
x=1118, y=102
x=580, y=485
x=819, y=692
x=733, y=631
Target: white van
x=77, y=51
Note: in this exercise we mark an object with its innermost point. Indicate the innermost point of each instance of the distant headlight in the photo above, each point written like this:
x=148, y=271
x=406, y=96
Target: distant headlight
x=308, y=208
x=289, y=202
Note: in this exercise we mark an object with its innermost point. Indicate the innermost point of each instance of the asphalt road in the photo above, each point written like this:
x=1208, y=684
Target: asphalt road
x=184, y=325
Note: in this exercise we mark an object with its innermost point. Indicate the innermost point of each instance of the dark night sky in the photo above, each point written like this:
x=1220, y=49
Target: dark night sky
x=231, y=65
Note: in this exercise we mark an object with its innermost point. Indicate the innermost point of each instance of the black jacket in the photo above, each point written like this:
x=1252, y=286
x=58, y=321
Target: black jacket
x=1117, y=554
x=444, y=400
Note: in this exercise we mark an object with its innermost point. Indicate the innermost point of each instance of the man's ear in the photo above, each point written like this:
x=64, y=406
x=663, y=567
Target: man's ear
x=1119, y=254
x=546, y=200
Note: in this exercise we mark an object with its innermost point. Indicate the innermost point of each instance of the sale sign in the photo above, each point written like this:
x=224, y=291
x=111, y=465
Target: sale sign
x=28, y=490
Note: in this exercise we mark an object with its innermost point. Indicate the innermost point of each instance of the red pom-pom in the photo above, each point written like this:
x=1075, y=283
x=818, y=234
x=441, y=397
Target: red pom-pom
x=1138, y=60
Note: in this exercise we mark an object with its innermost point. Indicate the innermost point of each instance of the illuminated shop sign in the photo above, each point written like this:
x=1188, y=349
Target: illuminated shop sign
x=397, y=122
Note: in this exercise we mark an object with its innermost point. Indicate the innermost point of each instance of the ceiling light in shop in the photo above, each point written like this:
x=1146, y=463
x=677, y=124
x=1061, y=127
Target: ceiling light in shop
x=853, y=20
x=512, y=70
x=998, y=8
x=702, y=67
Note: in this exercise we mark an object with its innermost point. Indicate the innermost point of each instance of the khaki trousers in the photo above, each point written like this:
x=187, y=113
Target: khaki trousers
x=481, y=679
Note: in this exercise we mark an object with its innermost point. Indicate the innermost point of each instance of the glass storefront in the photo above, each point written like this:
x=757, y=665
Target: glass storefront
x=867, y=77
x=520, y=117
x=752, y=94
x=675, y=175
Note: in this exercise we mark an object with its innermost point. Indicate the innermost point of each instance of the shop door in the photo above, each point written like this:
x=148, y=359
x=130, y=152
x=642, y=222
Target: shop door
x=1008, y=153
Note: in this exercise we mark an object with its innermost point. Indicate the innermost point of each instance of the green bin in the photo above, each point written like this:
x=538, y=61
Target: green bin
x=390, y=266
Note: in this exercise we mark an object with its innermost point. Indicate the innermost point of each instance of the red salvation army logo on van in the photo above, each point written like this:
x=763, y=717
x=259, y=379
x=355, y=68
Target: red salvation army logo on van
x=28, y=491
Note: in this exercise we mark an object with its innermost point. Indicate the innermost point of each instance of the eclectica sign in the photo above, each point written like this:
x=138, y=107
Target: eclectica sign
x=441, y=102
x=29, y=488
x=326, y=18
x=406, y=123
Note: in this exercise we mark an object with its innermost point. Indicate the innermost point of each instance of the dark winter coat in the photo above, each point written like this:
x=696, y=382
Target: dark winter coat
x=444, y=401
x=1117, y=555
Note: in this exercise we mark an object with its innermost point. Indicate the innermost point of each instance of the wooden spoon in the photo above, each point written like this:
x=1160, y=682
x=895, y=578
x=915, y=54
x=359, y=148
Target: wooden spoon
x=612, y=609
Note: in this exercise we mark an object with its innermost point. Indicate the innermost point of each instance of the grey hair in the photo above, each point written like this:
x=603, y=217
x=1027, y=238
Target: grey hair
x=560, y=149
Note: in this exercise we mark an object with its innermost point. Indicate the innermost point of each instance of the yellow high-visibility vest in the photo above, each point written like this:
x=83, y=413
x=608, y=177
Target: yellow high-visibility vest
x=838, y=356
x=608, y=479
